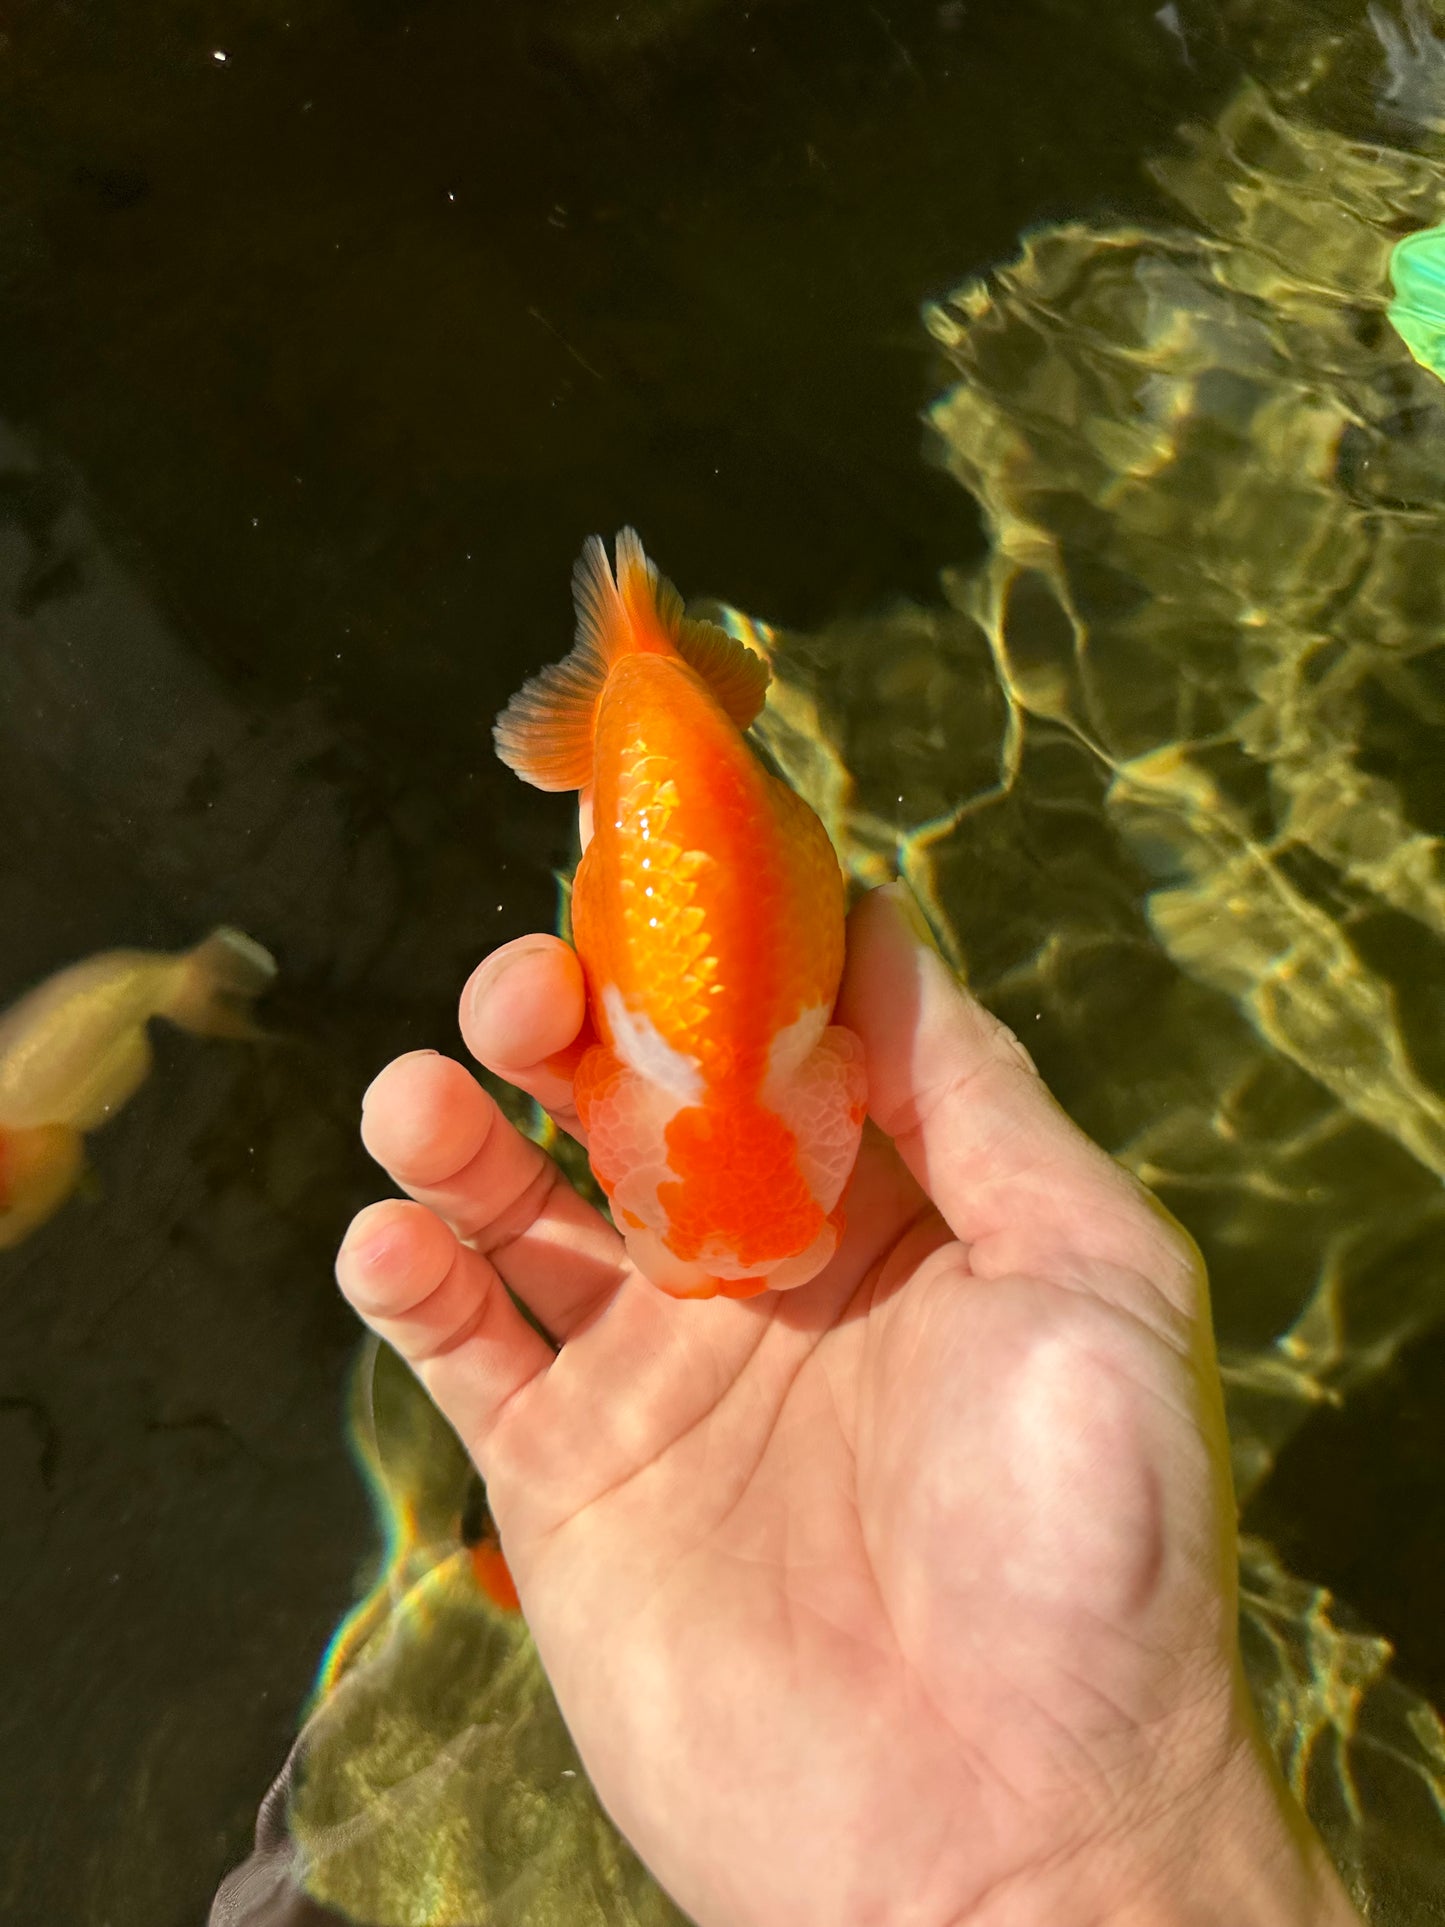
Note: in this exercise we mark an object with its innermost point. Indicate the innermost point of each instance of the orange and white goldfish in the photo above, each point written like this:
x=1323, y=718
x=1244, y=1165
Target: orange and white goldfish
x=722, y=1106
x=75, y=1048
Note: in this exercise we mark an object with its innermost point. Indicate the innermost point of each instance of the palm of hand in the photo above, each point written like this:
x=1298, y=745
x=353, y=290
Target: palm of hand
x=921, y=1564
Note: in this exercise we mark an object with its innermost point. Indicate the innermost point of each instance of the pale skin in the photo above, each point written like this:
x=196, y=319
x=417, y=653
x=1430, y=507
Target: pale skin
x=903, y=1599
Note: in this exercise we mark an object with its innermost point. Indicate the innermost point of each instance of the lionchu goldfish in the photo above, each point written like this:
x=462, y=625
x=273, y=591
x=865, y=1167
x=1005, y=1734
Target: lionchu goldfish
x=722, y=1107
x=75, y=1048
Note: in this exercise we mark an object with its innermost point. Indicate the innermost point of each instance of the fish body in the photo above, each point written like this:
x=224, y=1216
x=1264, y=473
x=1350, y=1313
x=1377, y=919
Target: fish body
x=723, y=1108
x=493, y=1575
x=76, y=1047
x=490, y=1571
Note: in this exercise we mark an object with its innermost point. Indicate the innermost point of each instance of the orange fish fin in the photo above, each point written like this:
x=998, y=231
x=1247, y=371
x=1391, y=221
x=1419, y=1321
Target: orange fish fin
x=494, y=1576
x=651, y=607
x=736, y=676
x=545, y=732
x=605, y=616
x=740, y=1287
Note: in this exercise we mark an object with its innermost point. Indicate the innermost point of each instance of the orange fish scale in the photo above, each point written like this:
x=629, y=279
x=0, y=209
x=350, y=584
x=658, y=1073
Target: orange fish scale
x=669, y=945
x=738, y=1182
x=710, y=895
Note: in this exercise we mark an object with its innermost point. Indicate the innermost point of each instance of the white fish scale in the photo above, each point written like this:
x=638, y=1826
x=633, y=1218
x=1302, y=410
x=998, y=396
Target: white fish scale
x=821, y=1104
x=643, y=1048
x=819, y=1098
x=627, y=1134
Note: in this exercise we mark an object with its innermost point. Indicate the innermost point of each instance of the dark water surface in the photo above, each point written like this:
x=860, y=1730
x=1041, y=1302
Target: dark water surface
x=316, y=365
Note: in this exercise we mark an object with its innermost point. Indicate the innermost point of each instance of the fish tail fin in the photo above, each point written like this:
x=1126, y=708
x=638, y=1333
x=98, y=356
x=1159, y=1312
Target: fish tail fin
x=736, y=676
x=545, y=733
x=216, y=984
x=494, y=1576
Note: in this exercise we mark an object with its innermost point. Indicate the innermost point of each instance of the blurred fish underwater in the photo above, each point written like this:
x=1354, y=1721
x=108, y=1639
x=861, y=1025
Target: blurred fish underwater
x=75, y=1048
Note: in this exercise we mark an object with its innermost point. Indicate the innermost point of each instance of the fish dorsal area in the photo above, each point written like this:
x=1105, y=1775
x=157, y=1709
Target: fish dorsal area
x=723, y=1113
x=709, y=898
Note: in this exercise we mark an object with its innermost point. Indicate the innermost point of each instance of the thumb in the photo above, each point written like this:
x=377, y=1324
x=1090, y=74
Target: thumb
x=1013, y=1176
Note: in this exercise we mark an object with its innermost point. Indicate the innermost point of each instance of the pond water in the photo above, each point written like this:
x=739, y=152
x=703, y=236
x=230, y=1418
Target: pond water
x=1025, y=371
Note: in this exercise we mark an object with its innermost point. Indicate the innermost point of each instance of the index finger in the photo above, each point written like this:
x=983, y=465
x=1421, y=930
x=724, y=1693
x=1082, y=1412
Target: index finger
x=1015, y=1178
x=524, y=1016
x=524, y=1011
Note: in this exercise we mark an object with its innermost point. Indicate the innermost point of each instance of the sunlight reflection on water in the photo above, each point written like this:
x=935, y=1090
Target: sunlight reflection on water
x=1167, y=756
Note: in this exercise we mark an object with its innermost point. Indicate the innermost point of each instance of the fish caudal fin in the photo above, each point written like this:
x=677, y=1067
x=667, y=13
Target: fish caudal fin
x=737, y=678
x=545, y=733
x=217, y=983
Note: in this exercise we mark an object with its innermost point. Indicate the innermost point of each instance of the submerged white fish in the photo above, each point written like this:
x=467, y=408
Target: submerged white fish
x=75, y=1048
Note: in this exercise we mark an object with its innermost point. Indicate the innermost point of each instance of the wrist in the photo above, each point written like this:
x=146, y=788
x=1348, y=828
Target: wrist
x=1228, y=1847
x=1250, y=1860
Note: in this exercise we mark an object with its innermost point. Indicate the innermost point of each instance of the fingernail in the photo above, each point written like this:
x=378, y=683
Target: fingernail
x=490, y=972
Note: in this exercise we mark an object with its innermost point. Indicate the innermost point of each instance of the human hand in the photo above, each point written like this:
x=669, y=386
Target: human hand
x=905, y=1596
